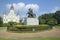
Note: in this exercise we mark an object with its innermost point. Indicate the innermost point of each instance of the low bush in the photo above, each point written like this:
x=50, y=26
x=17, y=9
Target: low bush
x=20, y=23
x=11, y=23
x=57, y=26
x=5, y=24
x=29, y=28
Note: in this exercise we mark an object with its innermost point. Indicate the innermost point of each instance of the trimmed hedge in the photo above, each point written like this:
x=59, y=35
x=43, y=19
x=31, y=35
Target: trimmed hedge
x=20, y=23
x=5, y=24
x=11, y=23
x=29, y=28
x=57, y=26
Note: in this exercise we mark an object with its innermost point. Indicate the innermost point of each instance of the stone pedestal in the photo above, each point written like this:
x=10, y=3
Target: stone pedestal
x=31, y=21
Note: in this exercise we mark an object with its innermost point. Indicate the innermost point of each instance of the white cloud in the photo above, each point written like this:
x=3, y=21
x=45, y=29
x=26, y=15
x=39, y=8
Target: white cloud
x=19, y=6
x=51, y=11
x=55, y=9
x=23, y=6
x=16, y=6
x=41, y=13
x=33, y=6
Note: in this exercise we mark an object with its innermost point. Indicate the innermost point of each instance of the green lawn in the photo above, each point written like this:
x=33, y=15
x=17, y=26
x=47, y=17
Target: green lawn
x=27, y=38
x=30, y=39
x=57, y=26
x=2, y=28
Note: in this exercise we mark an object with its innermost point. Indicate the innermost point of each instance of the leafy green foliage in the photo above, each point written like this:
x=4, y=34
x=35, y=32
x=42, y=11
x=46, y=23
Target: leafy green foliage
x=20, y=23
x=57, y=16
x=11, y=23
x=2, y=28
x=1, y=22
x=29, y=28
x=52, y=22
x=43, y=19
x=5, y=24
x=50, y=18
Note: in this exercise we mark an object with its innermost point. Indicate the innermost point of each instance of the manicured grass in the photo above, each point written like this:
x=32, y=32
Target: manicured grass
x=30, y=39
x=29, y=27
x=57, y=26
x=1, y=28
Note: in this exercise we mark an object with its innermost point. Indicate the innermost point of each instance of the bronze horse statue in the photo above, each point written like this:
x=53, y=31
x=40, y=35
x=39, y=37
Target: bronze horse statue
x=30, y=13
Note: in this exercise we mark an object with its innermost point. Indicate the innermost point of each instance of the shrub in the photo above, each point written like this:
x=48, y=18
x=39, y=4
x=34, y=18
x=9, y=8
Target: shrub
x=1, y=22
x=5, y=24
x=14, y=29
x=20, y=23
x=29, y=28
x=11, y=23
x=57, y=26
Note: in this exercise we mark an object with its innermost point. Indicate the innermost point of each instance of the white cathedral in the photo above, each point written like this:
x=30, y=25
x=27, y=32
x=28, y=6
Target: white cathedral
x=11, y=16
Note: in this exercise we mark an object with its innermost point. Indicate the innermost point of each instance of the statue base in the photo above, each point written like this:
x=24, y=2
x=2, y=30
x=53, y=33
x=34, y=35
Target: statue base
x=31, y=21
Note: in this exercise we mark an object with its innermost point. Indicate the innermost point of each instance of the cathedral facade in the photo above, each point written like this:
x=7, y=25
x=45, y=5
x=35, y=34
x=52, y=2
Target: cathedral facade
x=11, y=17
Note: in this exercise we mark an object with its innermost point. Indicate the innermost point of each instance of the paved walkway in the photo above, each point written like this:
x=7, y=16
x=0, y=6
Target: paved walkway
x=51, y=33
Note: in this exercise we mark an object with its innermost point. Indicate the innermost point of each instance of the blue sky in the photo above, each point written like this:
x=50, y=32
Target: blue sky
x=44, y=5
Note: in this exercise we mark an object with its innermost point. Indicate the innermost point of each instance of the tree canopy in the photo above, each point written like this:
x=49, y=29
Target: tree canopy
x=1, y=21
x=50, y=18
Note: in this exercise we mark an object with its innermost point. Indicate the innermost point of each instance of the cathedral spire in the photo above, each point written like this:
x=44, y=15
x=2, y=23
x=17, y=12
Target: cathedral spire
x=12, y=7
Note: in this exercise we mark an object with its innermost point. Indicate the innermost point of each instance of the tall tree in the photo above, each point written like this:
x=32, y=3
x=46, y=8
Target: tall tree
x=1, y=22
x=52, y=22
x=57, y=16
x=47, y=19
